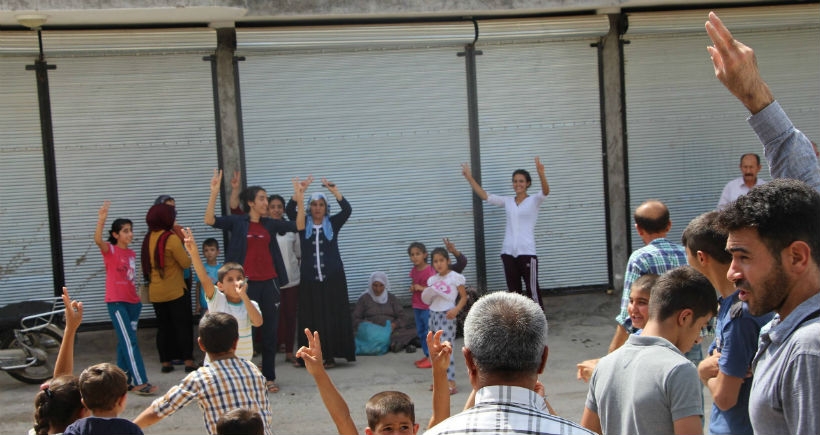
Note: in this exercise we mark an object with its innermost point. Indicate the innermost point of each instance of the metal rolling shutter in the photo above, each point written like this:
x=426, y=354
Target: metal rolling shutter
x=383, y=116
x=25, y=260
x=686, y=132
x=538, y=96
x=133, y=118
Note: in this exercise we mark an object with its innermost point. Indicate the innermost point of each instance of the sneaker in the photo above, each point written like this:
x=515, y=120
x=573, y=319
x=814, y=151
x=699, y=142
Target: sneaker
x=423, y=358
x=426, y=364
x=410, y=348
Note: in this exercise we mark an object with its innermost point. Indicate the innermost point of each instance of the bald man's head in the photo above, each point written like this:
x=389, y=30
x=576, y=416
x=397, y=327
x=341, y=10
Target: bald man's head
x=653, y=217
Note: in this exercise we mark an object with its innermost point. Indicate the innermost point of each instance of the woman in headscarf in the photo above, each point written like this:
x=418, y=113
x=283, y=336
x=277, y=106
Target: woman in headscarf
x=377, y=305
x=164, y=262
x=323, y=300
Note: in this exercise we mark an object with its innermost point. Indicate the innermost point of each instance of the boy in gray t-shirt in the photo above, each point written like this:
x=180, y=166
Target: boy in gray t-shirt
x=647, y=386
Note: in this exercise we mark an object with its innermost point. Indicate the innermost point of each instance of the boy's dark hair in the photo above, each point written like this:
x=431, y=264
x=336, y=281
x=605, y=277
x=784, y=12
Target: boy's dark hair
x=210, y=241
x=218, y=332
x=703, y=234
x=227, y=267
x=645, y=282
x=782, y=211
x=57, y=405
x=679, y=289
x=102, y=385
x=388, y=402
x=249, y=195
x=653, y=224
x=116, y=226
x=240, y=421
x=418, y=245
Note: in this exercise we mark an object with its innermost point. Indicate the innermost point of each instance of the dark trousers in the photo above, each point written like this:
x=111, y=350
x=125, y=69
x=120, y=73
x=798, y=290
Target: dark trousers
x=175, y=330
x=522, y=267
x=287, y=317
x=266, y=294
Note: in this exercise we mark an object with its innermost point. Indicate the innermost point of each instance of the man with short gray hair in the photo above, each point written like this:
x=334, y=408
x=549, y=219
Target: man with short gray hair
x=505, y=349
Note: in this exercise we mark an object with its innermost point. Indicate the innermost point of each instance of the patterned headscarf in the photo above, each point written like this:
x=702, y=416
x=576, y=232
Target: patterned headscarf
x=327, y=228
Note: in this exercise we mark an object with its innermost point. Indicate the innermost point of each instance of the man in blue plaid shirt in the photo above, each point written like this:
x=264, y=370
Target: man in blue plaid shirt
x=658, y=256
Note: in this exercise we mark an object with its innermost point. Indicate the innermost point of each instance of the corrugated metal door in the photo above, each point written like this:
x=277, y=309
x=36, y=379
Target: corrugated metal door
x=25, y=260
x=686, y=132
x=133, y=118
x=382, y=111
x=388, y=124
x=540, y=98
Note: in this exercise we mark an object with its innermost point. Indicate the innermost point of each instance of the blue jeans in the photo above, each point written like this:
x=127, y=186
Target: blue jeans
x=422, y=319
x=124, y=316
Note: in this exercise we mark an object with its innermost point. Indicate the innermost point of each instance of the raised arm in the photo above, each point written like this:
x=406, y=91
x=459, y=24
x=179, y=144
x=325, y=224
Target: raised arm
x=332, y=399
x=465, y=170
x=73, y=318
x=788, y=151
x=440, y=356
x=461, y=260
x=299, y=195
x=736, y=67
x=102, y=215
x=236, y=188
x=205, y=282
x=216, y=181
x=545, y=187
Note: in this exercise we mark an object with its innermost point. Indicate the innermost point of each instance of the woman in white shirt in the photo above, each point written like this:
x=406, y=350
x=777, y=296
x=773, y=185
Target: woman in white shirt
x=518, y=250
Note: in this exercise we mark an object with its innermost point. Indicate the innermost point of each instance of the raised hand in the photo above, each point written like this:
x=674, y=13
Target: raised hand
x=312, y=354
x=736, y=67
x=451, y=247
x=538, y=165
x=465, y=171
x=73, y=311
x=216, y=180
x=241, y=288
x=189, y=242
x=439, y=351
x=103, y=212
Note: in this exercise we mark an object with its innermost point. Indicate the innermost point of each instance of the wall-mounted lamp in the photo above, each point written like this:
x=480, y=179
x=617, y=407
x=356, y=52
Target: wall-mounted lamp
x=32, y=21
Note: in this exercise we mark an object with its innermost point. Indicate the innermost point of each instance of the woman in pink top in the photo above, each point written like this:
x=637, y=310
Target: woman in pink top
x=518, y=250
x=124, y=304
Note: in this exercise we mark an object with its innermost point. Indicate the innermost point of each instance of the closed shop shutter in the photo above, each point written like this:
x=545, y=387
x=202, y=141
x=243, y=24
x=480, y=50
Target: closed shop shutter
x=133, y=118
x=538, y=96
x=381, y=110
x=25, y=260
x=686, y=133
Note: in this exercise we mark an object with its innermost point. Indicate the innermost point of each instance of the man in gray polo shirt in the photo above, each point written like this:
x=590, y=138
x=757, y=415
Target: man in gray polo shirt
x=774, y=238
x=647, y=386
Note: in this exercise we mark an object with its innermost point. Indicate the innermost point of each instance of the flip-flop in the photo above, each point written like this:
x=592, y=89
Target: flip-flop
x=145, y=390
x=272, y=387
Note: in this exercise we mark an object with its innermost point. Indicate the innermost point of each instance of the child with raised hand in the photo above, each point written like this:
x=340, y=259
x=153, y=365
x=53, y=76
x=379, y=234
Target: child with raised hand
x=387, y=412
x=104, y=390
x=232, y=297
x=59, y=403
x=124, y=305
x=440, y=294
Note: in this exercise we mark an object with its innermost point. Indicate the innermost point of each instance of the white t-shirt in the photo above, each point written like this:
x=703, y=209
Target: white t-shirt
x=219, y=303
x=519, y=232
x=442, y=291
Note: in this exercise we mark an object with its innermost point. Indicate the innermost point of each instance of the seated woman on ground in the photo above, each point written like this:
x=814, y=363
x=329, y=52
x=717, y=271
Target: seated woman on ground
x=377, y=305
